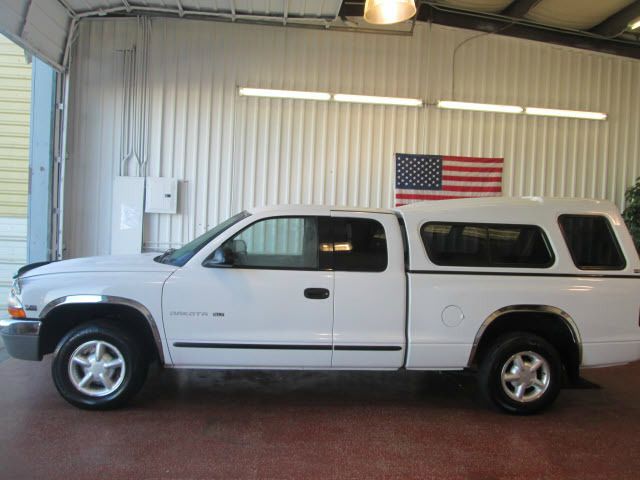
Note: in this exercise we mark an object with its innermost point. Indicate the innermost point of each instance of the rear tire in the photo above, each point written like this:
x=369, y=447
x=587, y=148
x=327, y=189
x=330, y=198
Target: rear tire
x=97, y=366
x=520, y=374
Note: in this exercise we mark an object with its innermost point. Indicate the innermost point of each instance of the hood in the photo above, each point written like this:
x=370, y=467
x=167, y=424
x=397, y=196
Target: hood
x=114, y=263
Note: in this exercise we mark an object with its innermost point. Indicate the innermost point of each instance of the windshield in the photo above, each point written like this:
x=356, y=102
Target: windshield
x=182, y=255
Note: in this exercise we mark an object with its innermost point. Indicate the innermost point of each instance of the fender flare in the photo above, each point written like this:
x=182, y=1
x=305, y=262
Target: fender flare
x=112, y=300
x=566, y=318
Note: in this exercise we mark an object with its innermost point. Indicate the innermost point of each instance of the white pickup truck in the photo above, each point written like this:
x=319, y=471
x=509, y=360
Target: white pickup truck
x=525, y=291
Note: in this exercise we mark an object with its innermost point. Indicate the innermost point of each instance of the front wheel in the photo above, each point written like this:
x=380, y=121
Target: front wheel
x=97, y=366
x=520, y=373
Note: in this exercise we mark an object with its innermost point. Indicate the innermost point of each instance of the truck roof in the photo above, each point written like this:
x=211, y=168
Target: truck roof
x=495, y=204
x=566, y=205
x=316, y=209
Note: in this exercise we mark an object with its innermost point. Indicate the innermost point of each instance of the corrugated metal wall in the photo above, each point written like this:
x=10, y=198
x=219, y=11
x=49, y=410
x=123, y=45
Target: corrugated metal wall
x=15, y=111
x=233, y=152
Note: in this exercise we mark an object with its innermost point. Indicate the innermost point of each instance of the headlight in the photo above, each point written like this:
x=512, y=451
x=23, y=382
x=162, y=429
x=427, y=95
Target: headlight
x=17, y=286
x=14, y=305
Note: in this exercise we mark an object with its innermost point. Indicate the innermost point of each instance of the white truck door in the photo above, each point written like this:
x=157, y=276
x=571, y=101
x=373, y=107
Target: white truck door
x=269, y=306
x=369, y=292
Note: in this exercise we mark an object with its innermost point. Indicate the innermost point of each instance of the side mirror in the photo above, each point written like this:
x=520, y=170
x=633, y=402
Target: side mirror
x=222, y=257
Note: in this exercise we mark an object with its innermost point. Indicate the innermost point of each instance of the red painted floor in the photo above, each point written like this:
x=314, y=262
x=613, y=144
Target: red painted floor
x=199, y=424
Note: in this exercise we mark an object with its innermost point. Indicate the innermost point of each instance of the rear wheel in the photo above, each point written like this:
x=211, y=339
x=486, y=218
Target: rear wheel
x=520, y=373
x=97, y=366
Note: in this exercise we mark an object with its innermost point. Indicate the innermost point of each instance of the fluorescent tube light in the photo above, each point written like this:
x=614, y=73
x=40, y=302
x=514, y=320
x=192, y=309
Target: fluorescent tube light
x=479, y=107
x=405, y=102
x=295, y=94
x=635, y=24
x=553, y=112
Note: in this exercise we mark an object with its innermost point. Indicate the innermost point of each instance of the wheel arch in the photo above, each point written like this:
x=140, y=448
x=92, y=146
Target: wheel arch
x=95, y=305
x=539, y=319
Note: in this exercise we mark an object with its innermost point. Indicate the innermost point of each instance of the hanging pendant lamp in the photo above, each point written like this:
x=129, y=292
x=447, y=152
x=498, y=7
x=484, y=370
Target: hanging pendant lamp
x=385, y=12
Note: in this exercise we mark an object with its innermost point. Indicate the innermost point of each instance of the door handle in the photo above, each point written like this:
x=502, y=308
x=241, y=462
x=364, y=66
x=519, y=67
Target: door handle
x=316, y=293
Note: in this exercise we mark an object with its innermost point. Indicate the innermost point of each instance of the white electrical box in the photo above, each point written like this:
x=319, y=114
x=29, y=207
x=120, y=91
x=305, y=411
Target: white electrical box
x=126, y=215
x=161, y=195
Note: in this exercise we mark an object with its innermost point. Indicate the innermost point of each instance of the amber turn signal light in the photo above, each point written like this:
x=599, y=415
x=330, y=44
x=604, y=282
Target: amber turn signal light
x=16, y=312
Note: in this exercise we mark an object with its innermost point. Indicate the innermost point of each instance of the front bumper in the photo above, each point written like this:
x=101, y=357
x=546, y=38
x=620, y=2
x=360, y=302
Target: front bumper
x=21, y=337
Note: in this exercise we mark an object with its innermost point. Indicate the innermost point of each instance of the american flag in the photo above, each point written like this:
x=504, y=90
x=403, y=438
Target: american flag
x=440, y=177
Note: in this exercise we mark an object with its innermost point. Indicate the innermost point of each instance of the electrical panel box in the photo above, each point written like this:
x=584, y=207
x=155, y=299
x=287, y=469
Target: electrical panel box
x=126, y=215
x=161, y=195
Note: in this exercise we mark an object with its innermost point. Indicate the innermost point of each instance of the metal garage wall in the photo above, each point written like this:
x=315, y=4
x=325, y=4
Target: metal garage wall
x=234, y=152
x=15, y=109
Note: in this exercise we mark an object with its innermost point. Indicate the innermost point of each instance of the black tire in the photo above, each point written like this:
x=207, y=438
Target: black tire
x=130, y=376
x=502, y=354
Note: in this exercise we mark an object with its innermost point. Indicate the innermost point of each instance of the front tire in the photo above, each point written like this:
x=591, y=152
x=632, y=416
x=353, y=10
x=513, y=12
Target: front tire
x=97, y=366
x=521, y=373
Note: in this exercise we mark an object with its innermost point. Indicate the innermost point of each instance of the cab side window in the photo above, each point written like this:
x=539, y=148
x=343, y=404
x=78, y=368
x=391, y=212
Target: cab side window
x=276, y=243
x=591, y=242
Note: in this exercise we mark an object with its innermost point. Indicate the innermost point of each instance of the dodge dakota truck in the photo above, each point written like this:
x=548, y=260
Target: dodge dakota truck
x=525, y=292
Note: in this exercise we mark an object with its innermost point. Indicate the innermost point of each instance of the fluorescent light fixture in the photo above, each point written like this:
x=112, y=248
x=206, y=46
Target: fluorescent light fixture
x=479, y=107
x=405, y=102
x=295, y=94
x=635, y=24
x=553, y=112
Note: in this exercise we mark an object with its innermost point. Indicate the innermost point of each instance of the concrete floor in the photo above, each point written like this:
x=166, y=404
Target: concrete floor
x=199, y=424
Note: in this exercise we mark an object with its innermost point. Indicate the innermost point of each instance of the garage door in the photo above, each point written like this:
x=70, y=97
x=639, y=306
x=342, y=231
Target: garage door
x=15, y=109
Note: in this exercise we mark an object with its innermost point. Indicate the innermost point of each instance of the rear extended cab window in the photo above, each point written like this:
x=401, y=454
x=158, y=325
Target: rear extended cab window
x=591, y=242
x=359, y=245
x=486, y=245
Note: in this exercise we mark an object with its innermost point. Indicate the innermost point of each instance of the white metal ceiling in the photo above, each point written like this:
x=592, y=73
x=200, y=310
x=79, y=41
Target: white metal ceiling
x=42, y=26
x=572, y=14
x=575, y=14
x=278, y=8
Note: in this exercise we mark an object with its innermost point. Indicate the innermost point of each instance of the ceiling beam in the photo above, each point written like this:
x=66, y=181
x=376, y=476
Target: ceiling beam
x=505, y=26
x=25, y=20
x=519, y=8
x=351, y=8
x=180, y=8
x=67, y=7
x=619, y=21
